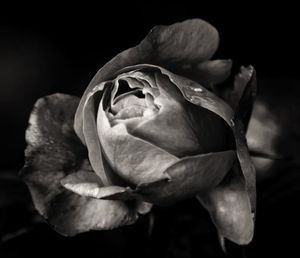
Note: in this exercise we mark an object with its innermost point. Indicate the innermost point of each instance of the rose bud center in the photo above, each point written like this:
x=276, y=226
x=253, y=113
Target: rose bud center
x=153, y=109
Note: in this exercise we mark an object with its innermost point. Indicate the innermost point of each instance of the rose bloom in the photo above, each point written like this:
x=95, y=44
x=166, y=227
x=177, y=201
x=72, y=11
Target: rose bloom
x=153, y=127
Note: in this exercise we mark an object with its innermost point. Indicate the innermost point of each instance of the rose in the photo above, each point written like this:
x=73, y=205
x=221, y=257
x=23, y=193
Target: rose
x=157, y=129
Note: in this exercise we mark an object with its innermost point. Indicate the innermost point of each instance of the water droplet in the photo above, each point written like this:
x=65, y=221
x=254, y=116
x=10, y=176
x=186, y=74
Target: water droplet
x=232, y=122
x=195, y=99
x=198, y=90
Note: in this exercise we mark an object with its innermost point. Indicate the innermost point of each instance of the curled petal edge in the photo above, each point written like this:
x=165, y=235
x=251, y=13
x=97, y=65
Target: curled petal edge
x=201, y=173
x=190, y=41
x=54, y=152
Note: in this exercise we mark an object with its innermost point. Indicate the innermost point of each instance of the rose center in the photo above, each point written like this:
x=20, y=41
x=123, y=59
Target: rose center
x=136, y=103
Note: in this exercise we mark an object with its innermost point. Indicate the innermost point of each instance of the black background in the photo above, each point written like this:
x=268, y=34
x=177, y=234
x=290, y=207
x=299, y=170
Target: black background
x=59, y=48
x=46, y=49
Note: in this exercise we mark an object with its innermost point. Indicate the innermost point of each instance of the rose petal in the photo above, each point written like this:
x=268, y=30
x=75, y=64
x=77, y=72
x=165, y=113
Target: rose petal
x=80, y=176
x=192, y=92
x=230, y=209
x=52, y=144
x=206, y=73
x=248, y=92
x=72, y=214
x=216, y=105
x=191, y=41
x=91, y=138
x=200, y=96
x=179, y=127
x=245, y=161
x=87, y=184
x=241, y=97
x=133, y=159
x=129, y=102
x=211, y=102
x=53, y=152
x=241, y=82
x=215, y=71
x=188, y=177
x=188, y=42
x=143, y=207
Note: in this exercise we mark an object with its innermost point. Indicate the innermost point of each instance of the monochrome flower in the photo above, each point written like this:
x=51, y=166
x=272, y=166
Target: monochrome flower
x=152, y=128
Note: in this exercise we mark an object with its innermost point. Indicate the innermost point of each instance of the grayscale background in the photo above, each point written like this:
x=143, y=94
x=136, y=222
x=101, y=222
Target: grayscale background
x=46, y=49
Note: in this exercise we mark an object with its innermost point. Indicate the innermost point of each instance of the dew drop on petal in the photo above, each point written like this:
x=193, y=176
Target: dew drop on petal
x=232, y=123
x=197, y=89
x=195, y=99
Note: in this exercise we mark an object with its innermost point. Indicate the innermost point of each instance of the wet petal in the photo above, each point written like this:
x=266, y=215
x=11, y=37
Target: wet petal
x=54, y=152
x=191, y=41
x=198, y=95
x=179, y=127
x=193, y=92
x=230, y=209
x=208, y=100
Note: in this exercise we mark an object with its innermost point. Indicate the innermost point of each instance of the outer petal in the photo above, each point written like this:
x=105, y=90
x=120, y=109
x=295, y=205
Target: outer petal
x=215, y=71
x=230, y=209
x=207, y=73
x=87, y=184
x=188, y=42
x=245, y=161
x=187, y=177
x=53, y=152
x=245, y=91
x=91, y=137
x=241, y=97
